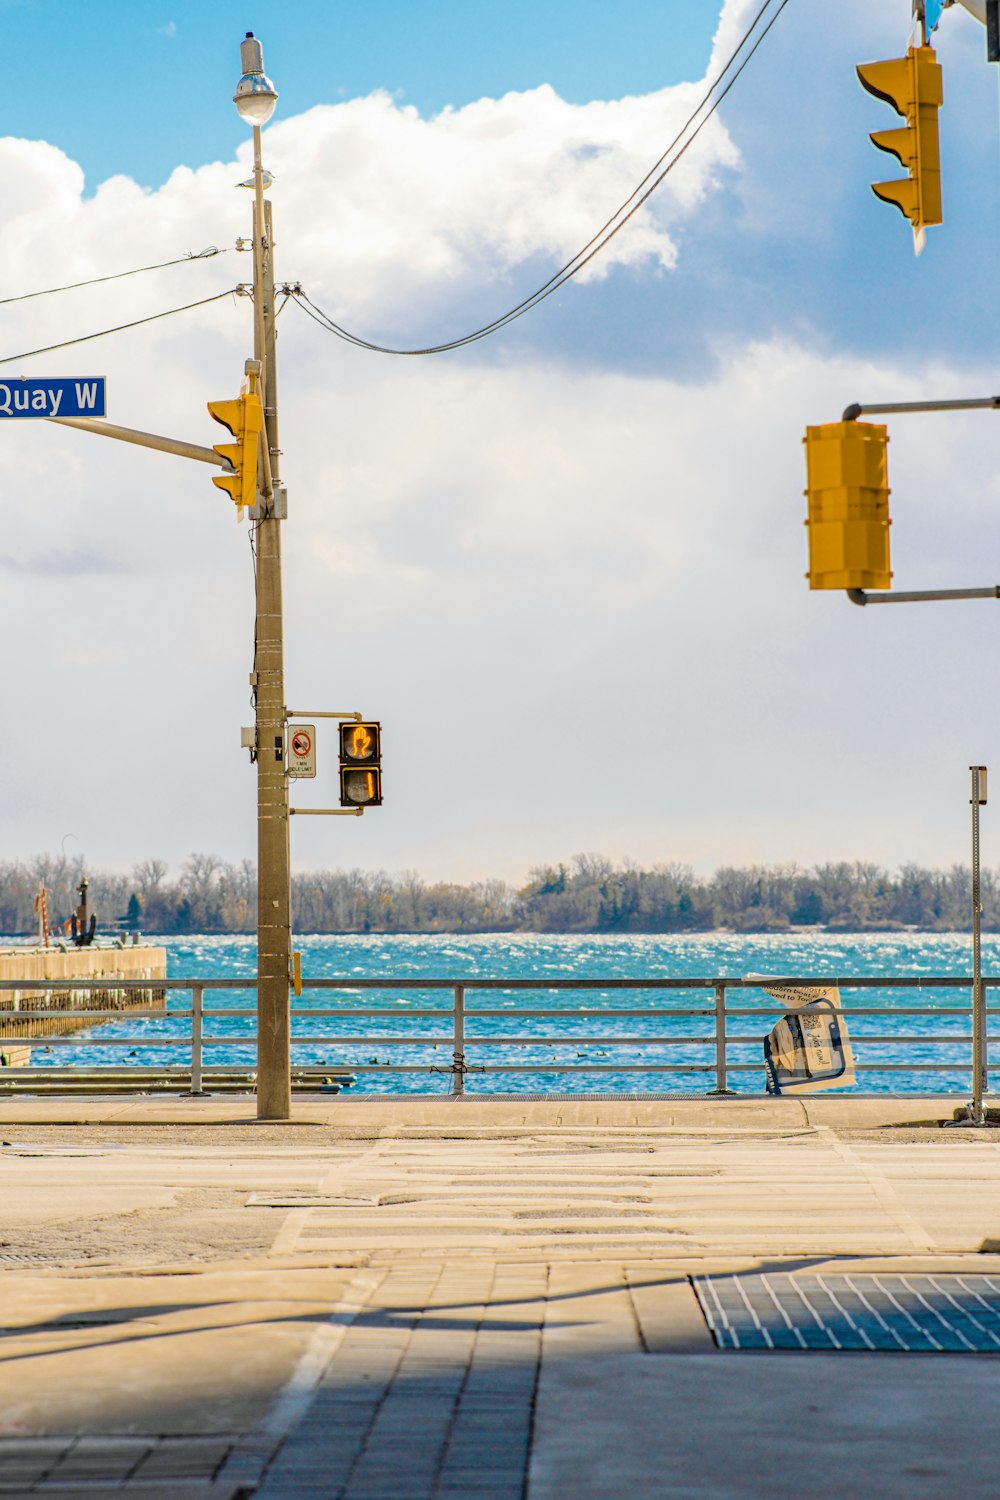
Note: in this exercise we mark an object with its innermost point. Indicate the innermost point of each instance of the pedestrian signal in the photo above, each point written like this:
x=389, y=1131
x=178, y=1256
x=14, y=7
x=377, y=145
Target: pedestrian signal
x=848, y=517
x=244, y=418
x=360, y=764
x=912, y=86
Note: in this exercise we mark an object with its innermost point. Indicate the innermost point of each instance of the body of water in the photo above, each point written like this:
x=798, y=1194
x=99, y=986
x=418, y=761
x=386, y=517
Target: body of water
x=371, y=1042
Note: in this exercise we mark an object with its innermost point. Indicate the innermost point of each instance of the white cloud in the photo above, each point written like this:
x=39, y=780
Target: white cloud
x=43, y=191
x=479, y=190
x=492, y=561
x=377, y=208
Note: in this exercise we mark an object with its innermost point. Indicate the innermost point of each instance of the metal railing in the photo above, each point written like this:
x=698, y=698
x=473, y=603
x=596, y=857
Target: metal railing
x=711, y=1046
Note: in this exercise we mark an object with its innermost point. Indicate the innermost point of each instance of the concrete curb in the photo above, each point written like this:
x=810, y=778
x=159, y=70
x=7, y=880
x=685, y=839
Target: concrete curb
x=367, y=1118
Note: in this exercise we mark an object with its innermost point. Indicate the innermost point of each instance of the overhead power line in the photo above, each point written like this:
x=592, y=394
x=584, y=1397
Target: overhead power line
x=72, y=286
x=691, y=129
x=85, y=338
x=706, y=108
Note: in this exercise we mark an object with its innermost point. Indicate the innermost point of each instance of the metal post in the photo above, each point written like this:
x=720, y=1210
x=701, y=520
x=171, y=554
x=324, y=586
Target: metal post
x=978, y=994
x=721, y=1077
x=142, y=439
x=274, y=935
x=197, y=1023
x=458, y=1056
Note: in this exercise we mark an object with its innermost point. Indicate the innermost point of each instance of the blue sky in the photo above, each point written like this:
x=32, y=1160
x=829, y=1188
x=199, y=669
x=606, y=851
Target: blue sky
x=797, y=242
x=597, y=512
x=90, y=82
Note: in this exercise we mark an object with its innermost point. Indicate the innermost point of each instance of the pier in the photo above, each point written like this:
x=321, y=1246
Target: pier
x=61, y=966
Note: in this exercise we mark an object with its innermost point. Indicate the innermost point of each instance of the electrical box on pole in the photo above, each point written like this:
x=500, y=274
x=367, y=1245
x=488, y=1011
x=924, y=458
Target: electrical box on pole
x=848, y=518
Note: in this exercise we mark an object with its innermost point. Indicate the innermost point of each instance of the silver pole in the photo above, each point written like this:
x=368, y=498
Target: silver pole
x=721, y=1077
x=458, y=1056
x=978, y=995
x=920, y=596
x=975, y=403
x=197, y=1024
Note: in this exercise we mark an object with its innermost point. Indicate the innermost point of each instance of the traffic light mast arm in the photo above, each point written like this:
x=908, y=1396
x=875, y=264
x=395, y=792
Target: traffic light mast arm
x=312, y=713
x=143, y=439
x=976, y=403
x=921, y=596
x=324, y=812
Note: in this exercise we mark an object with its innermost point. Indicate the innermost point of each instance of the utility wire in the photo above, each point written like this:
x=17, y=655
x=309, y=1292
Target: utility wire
x=85, y=338
x=598, y=241
x=606, y=233
x=182, y=260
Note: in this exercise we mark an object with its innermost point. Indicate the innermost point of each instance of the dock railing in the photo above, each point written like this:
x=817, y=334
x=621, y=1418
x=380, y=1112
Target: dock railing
x=703, y=1043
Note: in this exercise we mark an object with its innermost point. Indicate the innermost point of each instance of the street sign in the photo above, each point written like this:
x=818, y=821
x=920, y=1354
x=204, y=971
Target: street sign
x=809, y=1049
x=932, y=12
x=48, y=396
x=301, y=750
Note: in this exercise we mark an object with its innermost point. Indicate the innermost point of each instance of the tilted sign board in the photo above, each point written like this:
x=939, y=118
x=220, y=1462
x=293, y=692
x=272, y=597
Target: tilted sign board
x=53, y=396
x=301, y=750
x=809, y=1050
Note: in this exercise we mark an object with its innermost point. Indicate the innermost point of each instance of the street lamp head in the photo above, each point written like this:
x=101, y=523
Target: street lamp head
x=255, y=95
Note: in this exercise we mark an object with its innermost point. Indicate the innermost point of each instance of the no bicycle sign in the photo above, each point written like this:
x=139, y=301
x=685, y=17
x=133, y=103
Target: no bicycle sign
x=301, y=750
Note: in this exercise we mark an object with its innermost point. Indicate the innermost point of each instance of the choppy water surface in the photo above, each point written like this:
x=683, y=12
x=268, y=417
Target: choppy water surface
x=368, y=1040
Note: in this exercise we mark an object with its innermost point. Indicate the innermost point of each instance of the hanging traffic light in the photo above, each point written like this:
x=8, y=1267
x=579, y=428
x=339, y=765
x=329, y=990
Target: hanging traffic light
x=244, y=419
x=912, y=86
x=360, y=764
x=848, y=494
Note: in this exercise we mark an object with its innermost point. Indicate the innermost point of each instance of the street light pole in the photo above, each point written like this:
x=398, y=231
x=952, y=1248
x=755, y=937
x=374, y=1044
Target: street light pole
x=255, y=99
x=980, y=1054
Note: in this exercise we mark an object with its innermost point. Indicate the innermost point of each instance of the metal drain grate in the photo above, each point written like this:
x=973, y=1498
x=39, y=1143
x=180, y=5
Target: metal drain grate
x=946, y=1314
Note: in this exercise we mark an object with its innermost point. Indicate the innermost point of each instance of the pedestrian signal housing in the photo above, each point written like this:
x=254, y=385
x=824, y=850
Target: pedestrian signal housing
x=244, y=419
x=912, y=86
x=360, y=764
x=848, y=517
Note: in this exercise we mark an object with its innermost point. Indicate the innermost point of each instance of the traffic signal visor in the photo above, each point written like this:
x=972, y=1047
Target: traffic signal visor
x=848, y=516
x=912, y=86
x=244, y=418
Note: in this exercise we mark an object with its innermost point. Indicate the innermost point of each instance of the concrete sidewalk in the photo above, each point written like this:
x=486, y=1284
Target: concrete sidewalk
x=421, y=1299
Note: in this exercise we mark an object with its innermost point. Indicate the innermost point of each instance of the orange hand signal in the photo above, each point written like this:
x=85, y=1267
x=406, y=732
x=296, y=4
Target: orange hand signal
x=361, y=742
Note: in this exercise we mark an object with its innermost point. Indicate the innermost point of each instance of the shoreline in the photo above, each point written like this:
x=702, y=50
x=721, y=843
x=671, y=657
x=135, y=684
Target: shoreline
x=17, y=940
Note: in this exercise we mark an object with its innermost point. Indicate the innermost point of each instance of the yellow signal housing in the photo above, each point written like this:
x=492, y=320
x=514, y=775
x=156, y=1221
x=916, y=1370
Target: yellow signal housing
x=361, y=764
x=244, y=418
x=848, y=494
x=913, y=86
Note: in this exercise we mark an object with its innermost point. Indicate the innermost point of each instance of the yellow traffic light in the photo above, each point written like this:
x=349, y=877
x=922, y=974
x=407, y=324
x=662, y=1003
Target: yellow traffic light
x=912, y=86
x=848, y=494
x=360, y=764
x=244, y=419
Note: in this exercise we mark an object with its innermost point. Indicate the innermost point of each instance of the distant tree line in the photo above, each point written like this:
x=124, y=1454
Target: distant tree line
x=588, y=894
